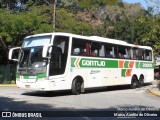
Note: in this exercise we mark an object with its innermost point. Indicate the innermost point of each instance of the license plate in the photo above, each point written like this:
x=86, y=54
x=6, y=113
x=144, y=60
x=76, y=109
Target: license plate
x=28, y=80
x=27, y=86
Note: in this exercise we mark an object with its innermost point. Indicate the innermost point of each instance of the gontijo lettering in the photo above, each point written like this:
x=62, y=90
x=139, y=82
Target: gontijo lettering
x=147, y=65
x=93, y=63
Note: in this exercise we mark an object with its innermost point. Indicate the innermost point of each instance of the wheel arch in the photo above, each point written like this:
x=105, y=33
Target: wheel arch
x=134, y=75
x=141, y=77
x=79, y=78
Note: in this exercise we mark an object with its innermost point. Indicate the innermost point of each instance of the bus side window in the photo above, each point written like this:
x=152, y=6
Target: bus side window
x=109, y=54
x=76, y=51
x=148, y=55
x=127, y=53
x=94, y=53
x=122, y=52
x=80, y=47
x=109, y=49
x=140, y=54
x=83, y=52
x=95, y=49
x=101, y=51
x=134, y=53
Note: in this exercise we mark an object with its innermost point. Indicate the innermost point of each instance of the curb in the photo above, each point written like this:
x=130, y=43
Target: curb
x=154, y=92
x=7, y=85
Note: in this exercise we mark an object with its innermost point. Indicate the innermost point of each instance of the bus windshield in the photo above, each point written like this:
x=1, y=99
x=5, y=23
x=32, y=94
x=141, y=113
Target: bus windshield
x=32, y=60
x=36, y=41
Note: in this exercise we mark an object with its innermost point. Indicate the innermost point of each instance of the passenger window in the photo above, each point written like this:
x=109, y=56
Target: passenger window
x=140, y=55
x=128, y=53
x=76, y=51
x=134, y=53
x=122, y=52
x=84, y=47
x=95, y=48
x=80, y=47
x=109, y=49
x=101, y=51
x=148, y=55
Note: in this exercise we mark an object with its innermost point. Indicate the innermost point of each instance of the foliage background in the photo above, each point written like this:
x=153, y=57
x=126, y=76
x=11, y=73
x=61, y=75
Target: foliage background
x=106, y=18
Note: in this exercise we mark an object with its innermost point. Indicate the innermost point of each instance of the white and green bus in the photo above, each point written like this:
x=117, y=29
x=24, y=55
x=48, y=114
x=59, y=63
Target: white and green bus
x=64, y=61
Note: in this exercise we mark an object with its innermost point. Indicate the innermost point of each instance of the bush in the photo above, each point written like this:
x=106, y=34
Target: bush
x=13, y=82
x=9, y=82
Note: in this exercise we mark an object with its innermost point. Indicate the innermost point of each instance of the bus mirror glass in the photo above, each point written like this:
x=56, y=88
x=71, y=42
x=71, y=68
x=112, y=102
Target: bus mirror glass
x=13, y=53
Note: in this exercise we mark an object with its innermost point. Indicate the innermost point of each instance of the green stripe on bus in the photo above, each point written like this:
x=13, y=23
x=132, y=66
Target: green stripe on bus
x=112, y=64
x=72, y=62
x=30, y=77
x=42, y=75
x=123, y=72
x=93, y=63
x=102, y=63
x=126, y=64
x=144, y=65
x=137, y=64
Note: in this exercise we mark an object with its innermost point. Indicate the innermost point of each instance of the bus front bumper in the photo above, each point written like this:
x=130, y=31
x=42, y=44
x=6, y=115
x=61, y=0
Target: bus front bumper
x=41, y=85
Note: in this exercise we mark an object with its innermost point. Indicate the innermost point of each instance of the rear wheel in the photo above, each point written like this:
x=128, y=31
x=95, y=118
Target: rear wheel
x=76, y=86
x=134, y=82
x=141, y=81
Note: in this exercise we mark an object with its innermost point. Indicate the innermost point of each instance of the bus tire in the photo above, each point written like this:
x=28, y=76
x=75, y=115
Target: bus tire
x=141, y=81
x=134, y=82
x=76, y=86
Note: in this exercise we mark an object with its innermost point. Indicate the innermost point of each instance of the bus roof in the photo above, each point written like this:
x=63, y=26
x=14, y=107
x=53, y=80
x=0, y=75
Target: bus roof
x=95, y=38
x=42, y=34
x=108, y=40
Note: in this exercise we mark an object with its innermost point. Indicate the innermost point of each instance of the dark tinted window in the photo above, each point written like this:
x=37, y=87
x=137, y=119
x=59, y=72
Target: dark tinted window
x=84, y=47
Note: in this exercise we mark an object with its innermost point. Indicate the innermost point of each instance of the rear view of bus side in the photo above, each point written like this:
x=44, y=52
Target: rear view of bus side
x=98, y=61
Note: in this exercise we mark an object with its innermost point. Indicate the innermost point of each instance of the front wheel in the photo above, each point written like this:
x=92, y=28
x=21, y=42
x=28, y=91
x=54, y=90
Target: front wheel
x=76, y=87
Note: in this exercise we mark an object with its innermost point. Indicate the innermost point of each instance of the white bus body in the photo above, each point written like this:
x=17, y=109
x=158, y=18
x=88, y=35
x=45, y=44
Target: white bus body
x=62, y=61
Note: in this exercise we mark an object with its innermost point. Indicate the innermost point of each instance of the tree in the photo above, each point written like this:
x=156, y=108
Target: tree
x=88, y=5
x=153, y=19
x=106, y=18
x=68, y=23
x=14, y=27
x=121, y=22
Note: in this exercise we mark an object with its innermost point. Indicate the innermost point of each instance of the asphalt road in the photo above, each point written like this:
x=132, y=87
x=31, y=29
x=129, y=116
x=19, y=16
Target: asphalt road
x=120, y=98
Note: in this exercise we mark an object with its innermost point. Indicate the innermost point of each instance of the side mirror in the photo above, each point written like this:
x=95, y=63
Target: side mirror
x=13, y=53
x=46, y=49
